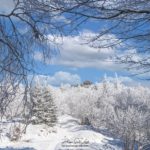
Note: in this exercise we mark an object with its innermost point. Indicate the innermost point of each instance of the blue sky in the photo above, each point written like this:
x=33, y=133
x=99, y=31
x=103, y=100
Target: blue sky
x=77, y=60
x=92, y=74
x=88, y=63
x=60, y=74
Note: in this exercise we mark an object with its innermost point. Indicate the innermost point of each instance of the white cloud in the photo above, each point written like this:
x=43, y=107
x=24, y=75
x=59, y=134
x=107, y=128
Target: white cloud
x=58, y=78
x=127, y=80
x=75, y=53
x=38, y=56
x=122, y=79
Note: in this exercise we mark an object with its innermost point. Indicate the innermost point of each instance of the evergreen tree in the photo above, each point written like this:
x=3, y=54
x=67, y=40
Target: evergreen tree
x=44, y=109
x=49, y=115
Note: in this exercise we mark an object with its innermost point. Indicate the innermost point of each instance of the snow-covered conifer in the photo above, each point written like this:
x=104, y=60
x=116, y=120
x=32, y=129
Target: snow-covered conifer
x=44, y=109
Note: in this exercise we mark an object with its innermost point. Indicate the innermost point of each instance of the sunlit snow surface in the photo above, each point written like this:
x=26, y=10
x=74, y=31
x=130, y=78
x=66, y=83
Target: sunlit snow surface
x=67, y=135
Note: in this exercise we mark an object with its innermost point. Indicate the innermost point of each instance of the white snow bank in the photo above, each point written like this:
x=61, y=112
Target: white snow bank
x=67, y=135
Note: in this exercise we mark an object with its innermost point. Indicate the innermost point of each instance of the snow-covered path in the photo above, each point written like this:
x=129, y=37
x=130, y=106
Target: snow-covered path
x=68, y=135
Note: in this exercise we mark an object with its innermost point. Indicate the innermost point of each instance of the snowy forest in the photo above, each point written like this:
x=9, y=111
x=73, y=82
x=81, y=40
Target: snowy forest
x=109, y=107
x=54, y=91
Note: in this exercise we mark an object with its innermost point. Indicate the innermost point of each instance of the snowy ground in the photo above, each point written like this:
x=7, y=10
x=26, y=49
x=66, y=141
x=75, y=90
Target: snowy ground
x=67, y=135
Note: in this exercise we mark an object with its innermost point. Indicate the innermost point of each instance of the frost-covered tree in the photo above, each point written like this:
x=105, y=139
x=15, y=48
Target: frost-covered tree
x=129, y=125
x=50, y=110
x=124, y=111
x=44, y=109
x=129, y=119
